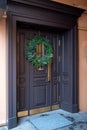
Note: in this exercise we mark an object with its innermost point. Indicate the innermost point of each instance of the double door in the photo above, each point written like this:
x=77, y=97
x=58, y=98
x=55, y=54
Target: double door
x=35, y=92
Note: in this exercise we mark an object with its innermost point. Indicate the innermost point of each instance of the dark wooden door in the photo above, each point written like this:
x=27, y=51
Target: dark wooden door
x=33, y=88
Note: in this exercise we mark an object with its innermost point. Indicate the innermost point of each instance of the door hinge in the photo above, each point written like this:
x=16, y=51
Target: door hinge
x=59, y=58
x=58, y=78
x=17, y=38
x=17, y=59
x=59, y=43
x=59, y=99
x=17, y=105
x=17, y=81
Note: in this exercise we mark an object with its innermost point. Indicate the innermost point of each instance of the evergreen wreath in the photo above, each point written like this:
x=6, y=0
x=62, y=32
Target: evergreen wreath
x=32, y=56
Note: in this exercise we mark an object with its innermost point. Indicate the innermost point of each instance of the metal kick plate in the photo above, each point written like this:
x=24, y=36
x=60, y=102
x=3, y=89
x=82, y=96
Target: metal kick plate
x=38, y=110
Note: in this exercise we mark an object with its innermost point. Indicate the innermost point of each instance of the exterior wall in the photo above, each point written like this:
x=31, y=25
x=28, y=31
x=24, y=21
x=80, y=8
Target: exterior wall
x=76, y=3
x=2, y=71
x=82, y=26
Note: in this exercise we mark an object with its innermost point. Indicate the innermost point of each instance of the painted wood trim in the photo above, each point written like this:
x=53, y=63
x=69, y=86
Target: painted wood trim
x=53, y=6
x=70, y=74
x=13, y=18
x=12, y=115
x=43, y=16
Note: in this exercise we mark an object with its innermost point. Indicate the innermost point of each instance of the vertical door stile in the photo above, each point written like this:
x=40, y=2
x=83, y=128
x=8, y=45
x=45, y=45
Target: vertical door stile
x=17, y=64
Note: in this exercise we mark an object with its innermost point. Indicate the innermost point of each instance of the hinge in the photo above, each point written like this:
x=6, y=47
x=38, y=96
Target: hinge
x=17, y=38
x=59, y=79
x=59, y=43
x=17, y=105
x=17, y=59
x=17, y=82
x=59, y=58
x=59, y=98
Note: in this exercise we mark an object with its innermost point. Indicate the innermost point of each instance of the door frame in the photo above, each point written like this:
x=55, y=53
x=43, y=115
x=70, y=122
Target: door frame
x=13, y=18
x=12, y=107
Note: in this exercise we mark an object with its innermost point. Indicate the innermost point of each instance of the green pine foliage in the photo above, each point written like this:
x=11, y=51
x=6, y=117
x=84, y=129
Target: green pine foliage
x=33, y=57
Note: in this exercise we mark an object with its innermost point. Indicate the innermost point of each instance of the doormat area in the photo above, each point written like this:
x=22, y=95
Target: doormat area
x=49, y=121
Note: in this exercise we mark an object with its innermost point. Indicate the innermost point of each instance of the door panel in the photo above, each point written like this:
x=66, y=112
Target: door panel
x=21, y=73
x=67, y=71
x=39, y=88
x=55, y=70
x=33, y=88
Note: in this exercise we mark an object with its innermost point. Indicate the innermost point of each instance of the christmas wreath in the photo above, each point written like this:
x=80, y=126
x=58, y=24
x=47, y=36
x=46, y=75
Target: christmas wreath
x=31, y=53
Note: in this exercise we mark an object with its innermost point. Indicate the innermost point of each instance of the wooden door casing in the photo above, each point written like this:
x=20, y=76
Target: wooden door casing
x=45, y=14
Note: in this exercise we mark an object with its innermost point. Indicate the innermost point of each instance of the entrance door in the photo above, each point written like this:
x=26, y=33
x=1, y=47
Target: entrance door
x=35, y=92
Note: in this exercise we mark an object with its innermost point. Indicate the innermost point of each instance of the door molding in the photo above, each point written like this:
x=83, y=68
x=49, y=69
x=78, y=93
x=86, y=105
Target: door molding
x=26, y=16
x=69, y=67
